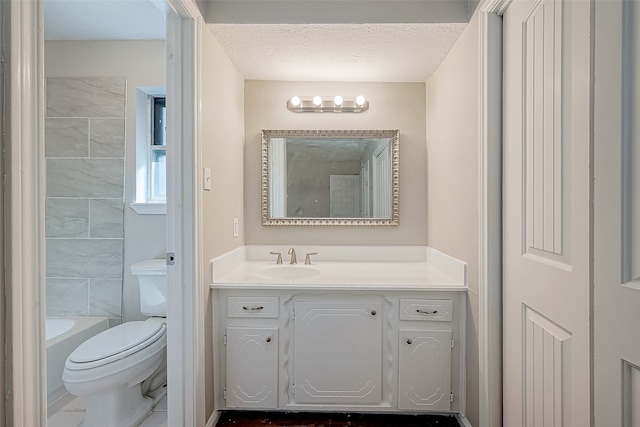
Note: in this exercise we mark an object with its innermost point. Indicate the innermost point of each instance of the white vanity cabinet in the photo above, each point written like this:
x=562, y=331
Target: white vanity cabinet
x=424, y=370
x=337, y=352
x=424, y=354
x=252, y=367
x=359, y=350
x=252, y=350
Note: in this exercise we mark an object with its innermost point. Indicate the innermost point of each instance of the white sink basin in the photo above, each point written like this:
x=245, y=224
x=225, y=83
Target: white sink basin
x=288, y=272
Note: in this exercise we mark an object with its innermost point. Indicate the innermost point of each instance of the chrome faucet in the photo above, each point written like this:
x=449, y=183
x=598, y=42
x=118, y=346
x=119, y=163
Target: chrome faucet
x=292, y=252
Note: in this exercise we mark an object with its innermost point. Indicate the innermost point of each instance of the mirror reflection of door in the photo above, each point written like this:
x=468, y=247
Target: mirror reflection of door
x=382, y=182
x=366, y=189
x=278, y=177
x=344, y=196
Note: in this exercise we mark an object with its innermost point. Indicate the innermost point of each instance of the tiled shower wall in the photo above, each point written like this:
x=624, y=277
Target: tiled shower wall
x=84, y=151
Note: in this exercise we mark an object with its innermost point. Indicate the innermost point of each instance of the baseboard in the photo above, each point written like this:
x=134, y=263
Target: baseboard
x=213, y=419
x=464, y=422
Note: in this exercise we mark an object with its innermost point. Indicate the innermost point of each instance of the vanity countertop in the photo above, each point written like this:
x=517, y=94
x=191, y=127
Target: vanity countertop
x=436, y=271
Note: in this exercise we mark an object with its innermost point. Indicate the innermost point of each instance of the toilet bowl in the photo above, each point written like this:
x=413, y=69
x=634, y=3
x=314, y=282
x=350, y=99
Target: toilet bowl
x=110, y=367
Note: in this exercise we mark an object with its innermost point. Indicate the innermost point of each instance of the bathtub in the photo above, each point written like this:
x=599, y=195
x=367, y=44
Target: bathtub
x=63, y=336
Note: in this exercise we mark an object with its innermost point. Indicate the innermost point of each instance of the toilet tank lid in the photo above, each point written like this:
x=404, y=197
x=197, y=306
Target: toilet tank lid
x=150, y=267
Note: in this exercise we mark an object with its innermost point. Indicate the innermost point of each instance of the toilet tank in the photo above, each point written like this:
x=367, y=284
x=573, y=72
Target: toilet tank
x=152, y=282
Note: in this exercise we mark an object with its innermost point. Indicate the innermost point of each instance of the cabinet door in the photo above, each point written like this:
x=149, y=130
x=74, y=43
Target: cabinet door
x=338, y=352
x=424, y=379
x=252, y=368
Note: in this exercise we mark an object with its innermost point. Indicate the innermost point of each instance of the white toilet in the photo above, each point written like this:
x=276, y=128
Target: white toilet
x=110, y=367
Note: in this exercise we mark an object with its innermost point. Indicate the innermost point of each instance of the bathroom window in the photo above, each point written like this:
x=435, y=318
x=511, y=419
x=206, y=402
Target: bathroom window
x=151, y=151
x=158, y=150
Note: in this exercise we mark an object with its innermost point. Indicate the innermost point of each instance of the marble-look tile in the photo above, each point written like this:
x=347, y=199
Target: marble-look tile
x=85, y=178
x=161, y=406
x=106, y=138
x=65, y=419
x=66, y=137
x=78, y=404
x=156, y=419
x=67, y=297
x=107, y=216
x=84, y=258
x=85, y=97
x=105, y=298
x=67, y=217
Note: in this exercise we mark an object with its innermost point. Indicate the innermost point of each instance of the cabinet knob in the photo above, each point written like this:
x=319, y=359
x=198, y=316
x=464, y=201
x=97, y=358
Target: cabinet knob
x=373, y=312
x=409, y=341
x=268, y=339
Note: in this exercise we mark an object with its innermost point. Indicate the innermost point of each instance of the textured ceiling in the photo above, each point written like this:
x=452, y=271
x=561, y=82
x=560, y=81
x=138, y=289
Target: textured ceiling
x=337, y=52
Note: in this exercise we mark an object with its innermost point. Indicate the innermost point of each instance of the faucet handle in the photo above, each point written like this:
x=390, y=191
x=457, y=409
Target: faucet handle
x=279, y=259
x=307, y=259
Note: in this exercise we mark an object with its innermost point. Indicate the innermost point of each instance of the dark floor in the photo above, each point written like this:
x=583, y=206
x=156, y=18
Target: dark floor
x=319, y=419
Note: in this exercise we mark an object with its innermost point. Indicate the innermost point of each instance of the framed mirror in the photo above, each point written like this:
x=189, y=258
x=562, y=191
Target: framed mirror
x=330, y=177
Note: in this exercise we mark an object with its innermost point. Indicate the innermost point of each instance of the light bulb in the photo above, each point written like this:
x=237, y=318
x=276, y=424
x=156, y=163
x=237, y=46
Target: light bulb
x=337, y=100
x=317, y=101
x=295, y=101
x=360, y=100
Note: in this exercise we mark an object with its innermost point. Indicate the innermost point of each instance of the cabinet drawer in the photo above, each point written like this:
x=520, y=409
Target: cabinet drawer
x=439, y=310
x=266, y=307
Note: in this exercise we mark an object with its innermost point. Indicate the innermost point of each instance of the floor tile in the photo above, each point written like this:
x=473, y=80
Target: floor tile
x=65, y=419
x=77, y=404
x=161, y=406
x=156, y=419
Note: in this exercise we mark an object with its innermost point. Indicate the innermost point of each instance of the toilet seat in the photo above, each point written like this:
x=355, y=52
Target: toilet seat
x=115, y=344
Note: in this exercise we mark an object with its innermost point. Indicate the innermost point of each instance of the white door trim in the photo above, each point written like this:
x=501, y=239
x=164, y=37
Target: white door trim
x=185, y=338
x=490, y=211
x=24, y=219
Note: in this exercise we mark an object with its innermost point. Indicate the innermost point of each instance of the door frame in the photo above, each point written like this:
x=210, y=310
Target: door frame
x=23, y=197
x=25, y=392
x=185, y=279
x=490, y=211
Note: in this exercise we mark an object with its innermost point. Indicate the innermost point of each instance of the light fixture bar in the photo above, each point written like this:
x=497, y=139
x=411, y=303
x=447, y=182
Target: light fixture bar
x=306, y=104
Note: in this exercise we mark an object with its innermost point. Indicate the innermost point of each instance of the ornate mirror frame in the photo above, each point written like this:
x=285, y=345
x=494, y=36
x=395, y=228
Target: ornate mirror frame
x=393, y=135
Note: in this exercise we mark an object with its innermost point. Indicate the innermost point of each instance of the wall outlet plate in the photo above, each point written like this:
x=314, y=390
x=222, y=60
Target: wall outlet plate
x=236, y=227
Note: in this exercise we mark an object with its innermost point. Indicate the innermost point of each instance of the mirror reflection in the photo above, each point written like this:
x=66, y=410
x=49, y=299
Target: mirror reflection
x=330, y=177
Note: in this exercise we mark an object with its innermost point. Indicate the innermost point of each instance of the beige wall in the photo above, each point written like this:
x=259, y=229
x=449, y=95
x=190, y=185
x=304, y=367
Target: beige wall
x=141, y=63
x=222, y=107
x=452, y=177
x=393, y=106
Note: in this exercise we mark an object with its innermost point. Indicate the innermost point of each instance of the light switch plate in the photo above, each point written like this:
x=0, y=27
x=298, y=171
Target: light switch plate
x=236, y=227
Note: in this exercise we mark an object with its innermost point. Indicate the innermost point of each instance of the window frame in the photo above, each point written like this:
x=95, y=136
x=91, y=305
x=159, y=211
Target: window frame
x=144, y=203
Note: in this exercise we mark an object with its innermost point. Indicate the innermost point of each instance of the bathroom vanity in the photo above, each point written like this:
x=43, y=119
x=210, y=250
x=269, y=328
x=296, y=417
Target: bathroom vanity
x=381, y=330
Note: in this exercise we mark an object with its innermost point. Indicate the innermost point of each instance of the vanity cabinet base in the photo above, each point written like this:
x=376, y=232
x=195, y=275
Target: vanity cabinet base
x=360, y=351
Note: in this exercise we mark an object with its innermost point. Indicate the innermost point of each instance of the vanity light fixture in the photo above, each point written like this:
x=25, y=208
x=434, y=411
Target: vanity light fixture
x=321, y=104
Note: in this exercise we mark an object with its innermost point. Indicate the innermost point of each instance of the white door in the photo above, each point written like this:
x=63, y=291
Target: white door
x=338, y=352
x=546, y=202
x=365, y=200
x=382, y=183
x=617, y=215
x=344, y=196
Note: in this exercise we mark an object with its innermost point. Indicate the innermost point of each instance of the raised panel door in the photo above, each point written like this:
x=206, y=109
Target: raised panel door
x=252, y=367
x=338, y=352
x=424, y=373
